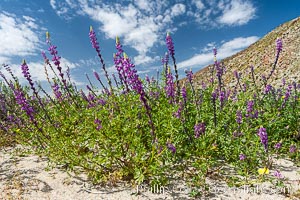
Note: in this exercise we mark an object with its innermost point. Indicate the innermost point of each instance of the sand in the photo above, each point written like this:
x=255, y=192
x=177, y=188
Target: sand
x=30, y=177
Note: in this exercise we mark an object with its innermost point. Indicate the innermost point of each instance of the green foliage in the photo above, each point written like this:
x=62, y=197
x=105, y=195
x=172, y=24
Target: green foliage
x=109, y=135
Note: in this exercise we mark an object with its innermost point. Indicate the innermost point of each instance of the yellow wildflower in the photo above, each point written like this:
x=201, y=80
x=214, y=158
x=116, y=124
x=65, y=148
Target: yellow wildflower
x=262, y=171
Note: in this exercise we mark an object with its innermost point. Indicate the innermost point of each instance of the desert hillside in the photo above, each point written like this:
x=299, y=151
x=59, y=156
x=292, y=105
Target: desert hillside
x=261, y=55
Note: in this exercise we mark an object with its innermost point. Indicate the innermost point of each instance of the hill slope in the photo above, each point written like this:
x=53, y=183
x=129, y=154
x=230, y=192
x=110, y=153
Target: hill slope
x=261, y=55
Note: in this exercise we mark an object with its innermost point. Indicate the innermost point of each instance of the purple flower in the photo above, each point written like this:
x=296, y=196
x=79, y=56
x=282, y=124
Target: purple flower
x=277, y=174
x=219, y=69
x=250, y=105
x=283, y=82
x=177, y=114
x=268, y=89
x=93, y=40
x=96, y=75
x=170, y=88
x=170, y=45
x=214, y=96
x=278, y=145
x=262, y=133
x=199, y=129
x=22, y=101
x=293, y=148
x=278, y=45
x=238, y=116
x=165, y=60
x=242, y=156
x=98, y=123
x=102, y=102
x=183, y=93
x=222, y=96
x=26, y=74
x=236, y=74
x=189, y=75
x=215, y=51
x=56, y=91
x=171, y=147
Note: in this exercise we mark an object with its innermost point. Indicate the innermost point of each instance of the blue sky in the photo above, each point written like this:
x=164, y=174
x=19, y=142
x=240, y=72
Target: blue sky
x=196, y=27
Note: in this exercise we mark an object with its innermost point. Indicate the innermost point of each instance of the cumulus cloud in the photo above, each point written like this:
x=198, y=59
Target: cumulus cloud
x=18, y=36
x=226, y=49
x=237, y=12
x=142, y=24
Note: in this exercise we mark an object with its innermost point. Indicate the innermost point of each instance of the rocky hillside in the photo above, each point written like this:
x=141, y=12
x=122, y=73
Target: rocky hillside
x=261, y=55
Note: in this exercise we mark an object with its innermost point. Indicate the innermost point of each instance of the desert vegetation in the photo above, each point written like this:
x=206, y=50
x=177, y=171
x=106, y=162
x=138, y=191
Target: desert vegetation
x=156, y=129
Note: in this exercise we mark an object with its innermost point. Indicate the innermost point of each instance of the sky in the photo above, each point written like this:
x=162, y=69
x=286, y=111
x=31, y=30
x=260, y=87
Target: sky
x=196, y=26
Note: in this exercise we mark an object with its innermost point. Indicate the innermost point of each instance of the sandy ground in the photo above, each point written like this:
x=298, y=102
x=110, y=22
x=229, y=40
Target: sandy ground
x=28, y=177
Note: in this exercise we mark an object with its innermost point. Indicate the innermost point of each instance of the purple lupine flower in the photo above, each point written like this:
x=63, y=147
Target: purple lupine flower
x=242, y=156
x=236, y=74
x=56, y=59
x=170, y=88
x=98, y=123
x=177, y=114
x=238, y=116
x=199, y=129
x=214, y=96
x=288, y=93
x=170, y=45
x=250, y=105
x=171, y=147
x=147, y=79
x=244, y=87
x=278, y=145
x=189, y=75
x=222, y=97
x=26, y=74
x=93, y=40
x=262, y=133
x=283, y=82
x=219, y=69
x=56, y=91
x=96, y=75
x=255, y=115
x=293, y=148
x=102, y=102
x=22, y=101
x=183, y=93
x=278, y=45
x=278, y=175
x=268, y=88
x=91, y=97
x=88, y=87
x=215, y=51
x=165, y=60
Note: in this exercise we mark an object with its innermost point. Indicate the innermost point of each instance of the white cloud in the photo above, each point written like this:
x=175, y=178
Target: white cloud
x=177, y=9
x=199, y=4
x=53, y=4
x=142, y=24
x=226, y=49
x=237, y=12
x=18, y=36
